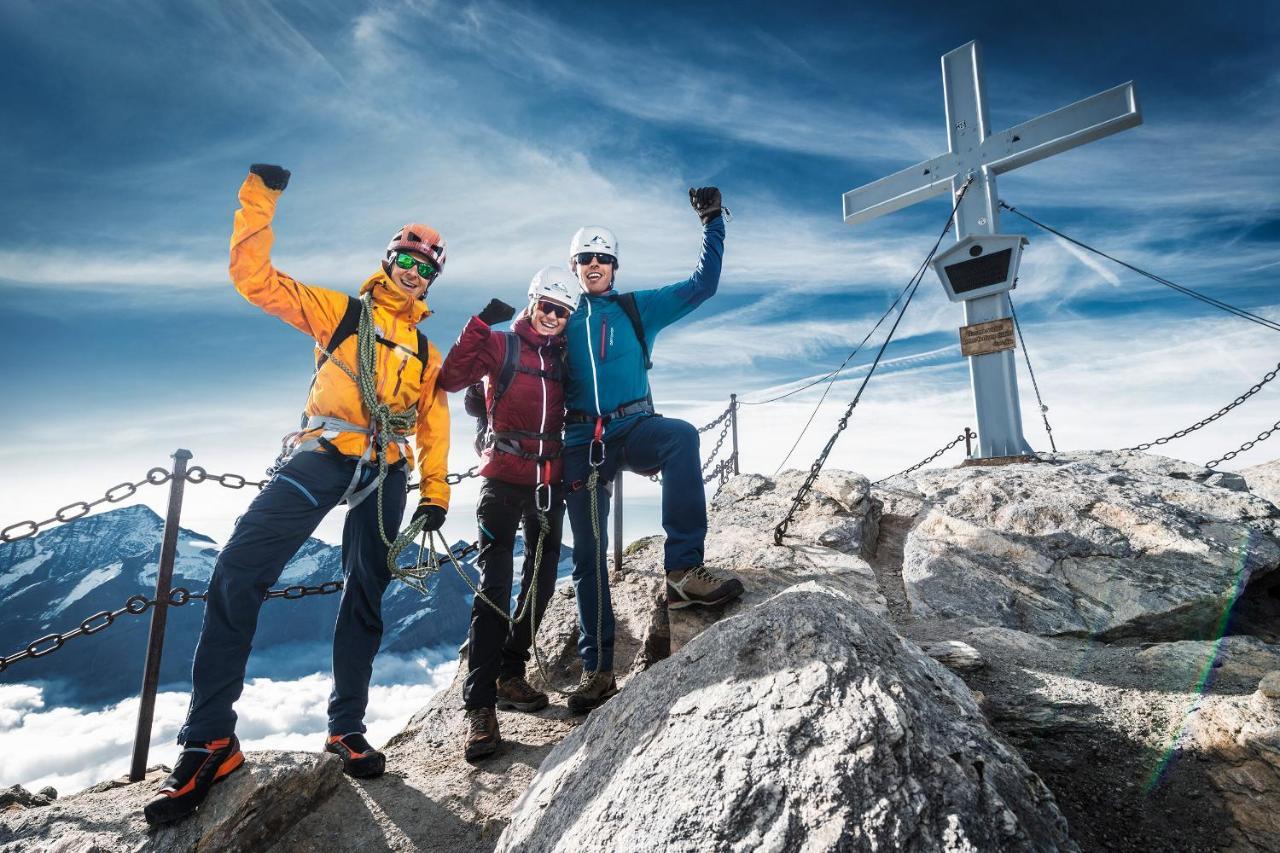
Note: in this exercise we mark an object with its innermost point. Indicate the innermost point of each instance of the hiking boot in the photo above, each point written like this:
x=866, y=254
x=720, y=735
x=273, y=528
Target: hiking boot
x=359, y=759
x=517, y=694
x=700, y=585
x=593, y=690
x=482, y=733
x=199, y=767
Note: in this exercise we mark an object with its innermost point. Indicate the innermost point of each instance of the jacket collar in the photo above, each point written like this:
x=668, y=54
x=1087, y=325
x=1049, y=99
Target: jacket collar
x=523, y=327
x=391, y=298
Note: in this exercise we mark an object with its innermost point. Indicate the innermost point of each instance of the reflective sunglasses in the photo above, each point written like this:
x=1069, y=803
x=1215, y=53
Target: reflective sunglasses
x=407, y=262
x=585, y=258
x=554, y=308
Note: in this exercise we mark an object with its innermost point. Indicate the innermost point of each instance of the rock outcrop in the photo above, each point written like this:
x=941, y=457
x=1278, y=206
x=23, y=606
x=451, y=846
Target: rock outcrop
x=1105, y=545
x=1115, y=618
x=803, y=724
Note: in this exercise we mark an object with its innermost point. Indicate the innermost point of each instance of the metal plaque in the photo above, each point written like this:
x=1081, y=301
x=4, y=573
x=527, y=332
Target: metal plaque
x=986, y=338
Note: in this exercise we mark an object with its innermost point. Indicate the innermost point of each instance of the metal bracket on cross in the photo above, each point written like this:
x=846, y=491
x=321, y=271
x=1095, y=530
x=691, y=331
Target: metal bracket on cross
x=974, y=150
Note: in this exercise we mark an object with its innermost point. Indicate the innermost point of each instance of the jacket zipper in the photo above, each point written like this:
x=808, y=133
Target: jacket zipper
x=604, y=337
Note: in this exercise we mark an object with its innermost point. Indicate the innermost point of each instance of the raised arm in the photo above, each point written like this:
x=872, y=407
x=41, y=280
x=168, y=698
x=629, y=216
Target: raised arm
x=477, y=351
x=662, y=307
x=312, y=310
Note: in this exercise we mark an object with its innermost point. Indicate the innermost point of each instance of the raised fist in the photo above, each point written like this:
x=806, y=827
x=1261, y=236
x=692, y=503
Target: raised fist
x=706, y=202
x=275, y=177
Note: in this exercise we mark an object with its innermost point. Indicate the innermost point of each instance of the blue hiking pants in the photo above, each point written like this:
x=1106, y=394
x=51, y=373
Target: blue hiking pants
x=266, y=537
x=652, y=444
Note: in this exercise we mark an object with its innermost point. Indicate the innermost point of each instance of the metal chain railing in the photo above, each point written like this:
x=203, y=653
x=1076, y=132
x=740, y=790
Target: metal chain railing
x=136, y=605
x=196, y=474
x=1147, y=445
x=967, y=436
x=1248, y=445
x=79, y=509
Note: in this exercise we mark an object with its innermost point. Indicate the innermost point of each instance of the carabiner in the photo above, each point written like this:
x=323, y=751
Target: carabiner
x=542, y=497
x=592, y=458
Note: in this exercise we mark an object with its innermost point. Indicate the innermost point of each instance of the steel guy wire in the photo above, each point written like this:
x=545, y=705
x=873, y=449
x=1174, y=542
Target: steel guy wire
x=816, y=468
x=1044, y=410
x=847, y=358
x=1186, y=291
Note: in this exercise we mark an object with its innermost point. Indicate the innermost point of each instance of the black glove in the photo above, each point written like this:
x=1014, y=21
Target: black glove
x=433, y=514
x=706, y=201
x=496, y=311
x=275, y=177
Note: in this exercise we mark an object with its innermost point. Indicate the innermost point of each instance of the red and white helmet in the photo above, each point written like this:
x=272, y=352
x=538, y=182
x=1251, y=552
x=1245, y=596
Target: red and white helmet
x=416, y=237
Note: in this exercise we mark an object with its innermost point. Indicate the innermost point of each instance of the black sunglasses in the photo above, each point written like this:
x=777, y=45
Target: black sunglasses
x=553, y=308
x=584, y=258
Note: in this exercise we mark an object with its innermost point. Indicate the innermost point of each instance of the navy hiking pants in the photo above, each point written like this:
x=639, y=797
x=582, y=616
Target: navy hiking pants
x=266, y=537
x=495, y=648
x=653, y=444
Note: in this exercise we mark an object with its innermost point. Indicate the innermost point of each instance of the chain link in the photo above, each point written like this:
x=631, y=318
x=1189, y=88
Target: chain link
x=136, y=605
x=196, y=474
x=1270, y=374
x=923, y=462
x=723, y=415
x=79, y=509
x=1248, y=445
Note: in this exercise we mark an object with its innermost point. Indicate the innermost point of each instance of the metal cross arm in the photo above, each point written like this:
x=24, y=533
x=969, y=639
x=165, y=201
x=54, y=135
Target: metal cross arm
x=1084, y=121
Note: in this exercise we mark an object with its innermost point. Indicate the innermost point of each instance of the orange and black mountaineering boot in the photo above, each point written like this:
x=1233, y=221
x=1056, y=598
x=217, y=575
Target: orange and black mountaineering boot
x=359, y=759
x=201, y=764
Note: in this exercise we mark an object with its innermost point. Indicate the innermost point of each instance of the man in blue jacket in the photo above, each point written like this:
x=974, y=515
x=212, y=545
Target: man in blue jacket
x=611, y=425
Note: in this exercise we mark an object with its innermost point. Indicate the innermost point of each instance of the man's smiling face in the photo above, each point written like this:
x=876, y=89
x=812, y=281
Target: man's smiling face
x=409, y=280
x=596, y=275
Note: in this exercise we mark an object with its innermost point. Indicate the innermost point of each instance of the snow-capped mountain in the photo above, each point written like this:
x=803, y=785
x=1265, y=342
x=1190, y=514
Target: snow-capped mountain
x=52, y=581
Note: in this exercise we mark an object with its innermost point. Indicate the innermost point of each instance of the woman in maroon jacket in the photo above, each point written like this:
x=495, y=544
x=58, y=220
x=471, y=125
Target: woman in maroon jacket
x=521, y=468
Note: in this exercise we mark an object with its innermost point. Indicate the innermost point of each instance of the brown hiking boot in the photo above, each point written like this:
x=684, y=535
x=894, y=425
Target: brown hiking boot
x=700, y=585
x=593, y=690
x=482, y=733
x=517, y=694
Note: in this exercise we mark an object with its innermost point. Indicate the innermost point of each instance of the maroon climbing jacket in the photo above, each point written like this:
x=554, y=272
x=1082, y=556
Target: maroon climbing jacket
x=533, y=403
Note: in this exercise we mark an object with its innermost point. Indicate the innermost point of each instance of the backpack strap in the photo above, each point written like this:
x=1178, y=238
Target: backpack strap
x=347, y=326
x=507, y=372
x=627, y=301
x=424, y=353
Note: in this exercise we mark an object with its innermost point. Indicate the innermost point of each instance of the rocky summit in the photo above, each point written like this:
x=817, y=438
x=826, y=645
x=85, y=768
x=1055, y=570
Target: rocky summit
x=1079, y=653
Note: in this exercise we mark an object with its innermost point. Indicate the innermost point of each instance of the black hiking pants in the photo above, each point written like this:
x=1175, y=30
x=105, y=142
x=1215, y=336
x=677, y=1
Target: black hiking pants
x=496, y=648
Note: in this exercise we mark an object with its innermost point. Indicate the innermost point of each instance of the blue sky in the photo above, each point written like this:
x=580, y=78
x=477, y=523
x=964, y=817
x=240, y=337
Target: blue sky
x=128, y=127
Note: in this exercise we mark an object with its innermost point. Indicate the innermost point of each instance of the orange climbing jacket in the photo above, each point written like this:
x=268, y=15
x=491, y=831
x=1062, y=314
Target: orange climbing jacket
x=404, y=382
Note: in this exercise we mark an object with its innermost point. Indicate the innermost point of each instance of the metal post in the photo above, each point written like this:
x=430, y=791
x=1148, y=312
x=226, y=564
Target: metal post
x=733, y=420
x=159, y=615
x=968, y=442
x=617, y=521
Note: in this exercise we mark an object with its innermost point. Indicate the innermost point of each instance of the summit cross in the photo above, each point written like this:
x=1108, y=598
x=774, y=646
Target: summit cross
x=975, y=151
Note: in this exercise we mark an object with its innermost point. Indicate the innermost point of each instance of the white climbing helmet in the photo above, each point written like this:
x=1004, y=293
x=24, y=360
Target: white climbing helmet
x=558, y=285
x=593, y=238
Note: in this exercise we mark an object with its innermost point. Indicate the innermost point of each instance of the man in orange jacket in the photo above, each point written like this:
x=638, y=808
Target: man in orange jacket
x=331, y=460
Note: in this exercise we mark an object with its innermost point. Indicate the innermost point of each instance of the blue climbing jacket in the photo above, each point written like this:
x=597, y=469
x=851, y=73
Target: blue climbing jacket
x=605, y=360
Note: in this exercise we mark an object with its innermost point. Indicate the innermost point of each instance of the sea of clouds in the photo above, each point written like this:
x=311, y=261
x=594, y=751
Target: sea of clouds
x=73, y=748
